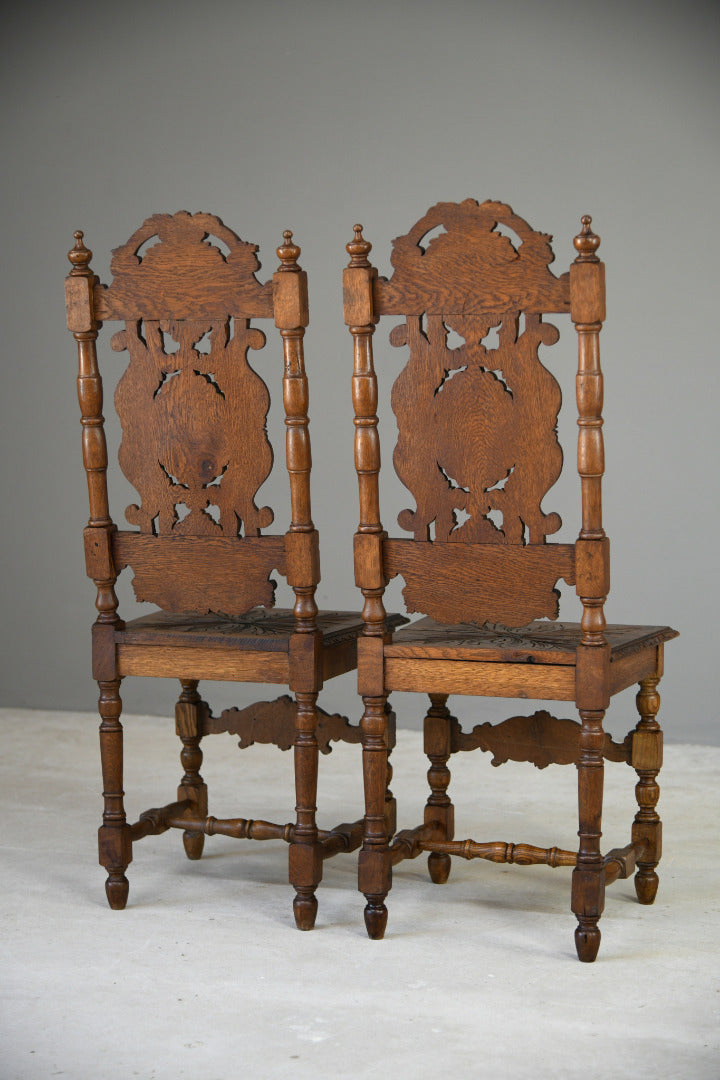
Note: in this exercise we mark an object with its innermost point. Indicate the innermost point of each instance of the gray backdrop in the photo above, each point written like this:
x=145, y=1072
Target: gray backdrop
x=318, y=114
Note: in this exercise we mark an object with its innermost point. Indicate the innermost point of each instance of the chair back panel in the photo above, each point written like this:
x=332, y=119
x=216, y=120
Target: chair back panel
x=480, y=583
x=194, y=441
x=477, y=412
x=193, y=415
x=201, y=573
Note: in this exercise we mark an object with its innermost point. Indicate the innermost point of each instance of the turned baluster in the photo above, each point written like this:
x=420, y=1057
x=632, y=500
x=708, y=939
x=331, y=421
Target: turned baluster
x=291, y=317
x=303, y=563
x=79, y=286
x=647, y=760
x=305, y=854
x=587, y=292
x=374, y=868
x=187, y=726
x=114, y=838
x=114, y=841
x=439, y=807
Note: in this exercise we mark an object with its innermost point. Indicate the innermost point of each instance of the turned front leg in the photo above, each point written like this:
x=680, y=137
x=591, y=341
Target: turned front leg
x=187, y=726
x=647, y=749
x=115, y=845
x=374, y=868
x=439, y=808
x=305, y=852
x=588, y=882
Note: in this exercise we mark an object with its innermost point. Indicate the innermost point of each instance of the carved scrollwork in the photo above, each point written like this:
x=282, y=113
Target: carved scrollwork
x=476, y=409
x=471, y=257
x=194, y=441
x=477, y=443
x=274, y=722
x=541, y=739
x=184, y=266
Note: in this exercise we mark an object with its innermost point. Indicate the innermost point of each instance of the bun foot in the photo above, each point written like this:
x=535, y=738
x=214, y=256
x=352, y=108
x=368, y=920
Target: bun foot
x=376, y=916
x=117, y=887
x=193, y=842
x=439, y=867
x=587, y=942
x=305, y=908
x=646, y=886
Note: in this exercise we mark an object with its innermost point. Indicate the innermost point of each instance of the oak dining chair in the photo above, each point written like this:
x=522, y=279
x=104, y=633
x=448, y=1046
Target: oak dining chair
x=193, y=410
x=477, y=450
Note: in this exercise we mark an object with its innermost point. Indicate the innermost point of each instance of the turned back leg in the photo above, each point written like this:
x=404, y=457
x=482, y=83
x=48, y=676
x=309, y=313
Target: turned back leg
x=647, y=760
x=115, y=845
x=588, y=882
x=187, y=726
x=305, y=853
x=374, y=868
x=439, y=808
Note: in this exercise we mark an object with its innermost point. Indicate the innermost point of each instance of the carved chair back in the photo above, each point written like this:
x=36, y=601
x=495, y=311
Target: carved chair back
x=193, y=415
x=477, y=412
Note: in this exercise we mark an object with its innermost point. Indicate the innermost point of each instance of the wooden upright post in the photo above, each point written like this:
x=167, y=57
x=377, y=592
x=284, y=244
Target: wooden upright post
x=115, y=845
x=374, y=868
x=290, y=302
x=587, y=301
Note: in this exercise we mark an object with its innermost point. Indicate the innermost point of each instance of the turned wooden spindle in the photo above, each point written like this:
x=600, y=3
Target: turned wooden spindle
x=647, y=749
x=114, y=841
x=79, y=292
x=374, y=869
x=439, y=808
x=587, y=295
x=588, y=885
x=291, y=317
x=305, y=851
x=358, y=306
x=192, y=786
x=587, y=287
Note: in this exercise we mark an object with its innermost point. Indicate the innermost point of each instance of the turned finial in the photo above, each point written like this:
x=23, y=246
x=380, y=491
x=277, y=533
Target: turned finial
x=288, y=252
x=80, y=256
x=586, y=242
x=358, y=249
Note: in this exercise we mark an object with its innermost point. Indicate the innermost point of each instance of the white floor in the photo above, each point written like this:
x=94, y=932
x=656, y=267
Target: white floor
x=204, y=975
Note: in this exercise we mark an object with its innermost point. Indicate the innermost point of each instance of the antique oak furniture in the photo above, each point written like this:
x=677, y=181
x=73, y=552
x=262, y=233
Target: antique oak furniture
x=477, y=449
x=195, y=447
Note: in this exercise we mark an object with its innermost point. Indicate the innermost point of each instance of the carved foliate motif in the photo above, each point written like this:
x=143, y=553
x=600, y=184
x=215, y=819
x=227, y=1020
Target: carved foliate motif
x=477, y=443
x=193, y=415
x=184, y=266
x=468, y=258
x=476, y=409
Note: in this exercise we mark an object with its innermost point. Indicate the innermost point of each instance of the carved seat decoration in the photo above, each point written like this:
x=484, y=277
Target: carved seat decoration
x=195, y=448
x=476, y=410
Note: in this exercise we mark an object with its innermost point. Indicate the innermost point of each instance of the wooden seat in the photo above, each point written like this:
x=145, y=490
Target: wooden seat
x=476, y=411
x=195, y=447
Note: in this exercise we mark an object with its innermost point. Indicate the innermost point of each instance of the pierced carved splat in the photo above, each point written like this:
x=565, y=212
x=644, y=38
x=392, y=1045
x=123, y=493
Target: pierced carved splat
x=193, y=416
x=274, y=722
x=476, y=410
x=541, y=739
x=477, y=443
